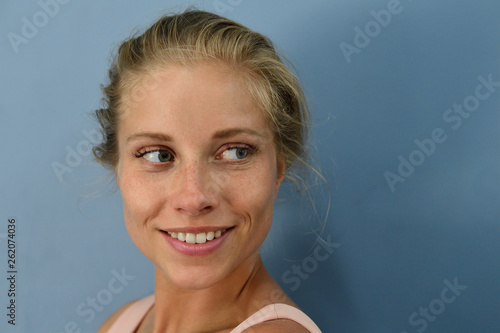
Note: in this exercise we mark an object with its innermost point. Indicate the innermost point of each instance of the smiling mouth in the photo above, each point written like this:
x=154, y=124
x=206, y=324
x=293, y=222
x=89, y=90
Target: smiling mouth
x=200, y=238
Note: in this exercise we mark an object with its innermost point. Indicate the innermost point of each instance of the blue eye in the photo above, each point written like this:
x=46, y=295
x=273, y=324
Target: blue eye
x=157, y=156
x=236, y=153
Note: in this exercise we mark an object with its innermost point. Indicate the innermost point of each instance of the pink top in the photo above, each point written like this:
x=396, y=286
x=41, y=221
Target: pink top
x=130, y=319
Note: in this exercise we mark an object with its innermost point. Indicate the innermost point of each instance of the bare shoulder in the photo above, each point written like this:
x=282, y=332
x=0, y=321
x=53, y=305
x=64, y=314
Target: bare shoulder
x=106, y=325
x=277, y=326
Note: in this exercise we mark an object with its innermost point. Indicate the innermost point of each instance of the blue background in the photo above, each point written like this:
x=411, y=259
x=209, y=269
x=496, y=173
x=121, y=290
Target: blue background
x=394, y=248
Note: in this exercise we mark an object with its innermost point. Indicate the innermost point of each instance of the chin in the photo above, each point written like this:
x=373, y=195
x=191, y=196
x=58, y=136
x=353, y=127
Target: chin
x=191, y=278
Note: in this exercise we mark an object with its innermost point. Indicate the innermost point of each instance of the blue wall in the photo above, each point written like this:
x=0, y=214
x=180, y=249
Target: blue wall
x=406, y=132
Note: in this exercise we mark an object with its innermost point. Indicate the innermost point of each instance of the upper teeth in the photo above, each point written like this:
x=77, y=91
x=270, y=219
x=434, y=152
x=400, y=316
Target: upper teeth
x=196, y=238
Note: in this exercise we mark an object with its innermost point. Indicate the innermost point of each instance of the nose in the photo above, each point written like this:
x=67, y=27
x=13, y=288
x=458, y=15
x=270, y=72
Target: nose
x=194, y=193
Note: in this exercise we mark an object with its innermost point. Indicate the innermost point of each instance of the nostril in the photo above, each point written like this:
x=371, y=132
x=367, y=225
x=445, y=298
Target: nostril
x=207, y=209
x=194, y=207
x=193, y=194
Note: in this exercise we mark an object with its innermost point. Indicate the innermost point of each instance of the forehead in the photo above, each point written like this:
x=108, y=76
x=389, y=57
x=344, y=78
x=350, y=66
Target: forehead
x=188, y=99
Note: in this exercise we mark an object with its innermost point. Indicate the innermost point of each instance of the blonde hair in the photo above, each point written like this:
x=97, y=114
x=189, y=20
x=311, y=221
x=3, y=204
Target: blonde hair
x=195, y=36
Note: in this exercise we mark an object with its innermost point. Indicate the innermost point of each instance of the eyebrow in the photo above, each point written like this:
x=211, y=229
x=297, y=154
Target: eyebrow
x=149, y=135
x=230, y=132
x=220, y=134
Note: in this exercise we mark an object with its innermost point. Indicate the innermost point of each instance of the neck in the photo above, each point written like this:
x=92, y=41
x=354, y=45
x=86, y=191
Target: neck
x=221, y=306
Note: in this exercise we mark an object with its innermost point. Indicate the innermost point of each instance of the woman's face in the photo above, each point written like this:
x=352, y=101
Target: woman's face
x=198, y=173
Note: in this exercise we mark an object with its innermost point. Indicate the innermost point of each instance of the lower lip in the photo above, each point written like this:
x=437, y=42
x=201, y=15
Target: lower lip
x=196, y=249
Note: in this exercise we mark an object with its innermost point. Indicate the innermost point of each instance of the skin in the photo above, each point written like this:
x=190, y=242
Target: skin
x=221, y=172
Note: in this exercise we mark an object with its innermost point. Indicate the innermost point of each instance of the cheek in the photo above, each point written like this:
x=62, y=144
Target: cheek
x=253, y=192
x=140, y=202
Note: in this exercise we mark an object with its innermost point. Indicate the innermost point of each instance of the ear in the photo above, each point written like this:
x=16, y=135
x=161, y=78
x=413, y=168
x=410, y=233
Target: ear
x=280, y=175
x=116, y=171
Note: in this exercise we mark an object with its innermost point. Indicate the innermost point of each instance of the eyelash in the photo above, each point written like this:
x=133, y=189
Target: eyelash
x=251, y=150
x=140, y=154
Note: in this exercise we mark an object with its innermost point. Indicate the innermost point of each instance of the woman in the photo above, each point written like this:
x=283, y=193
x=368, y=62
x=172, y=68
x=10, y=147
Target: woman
x=202, y=122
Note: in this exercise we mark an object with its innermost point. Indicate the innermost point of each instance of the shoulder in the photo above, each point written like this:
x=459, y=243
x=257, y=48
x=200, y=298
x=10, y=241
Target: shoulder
x=277, y=326
x=106, y=325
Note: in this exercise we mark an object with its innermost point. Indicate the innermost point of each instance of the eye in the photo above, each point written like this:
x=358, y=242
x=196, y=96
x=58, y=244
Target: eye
x=236, y=153
x=156, y=156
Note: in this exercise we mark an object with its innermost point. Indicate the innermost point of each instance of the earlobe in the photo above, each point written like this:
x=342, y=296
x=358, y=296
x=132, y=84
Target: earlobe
x=116, y=171
x=281, y=171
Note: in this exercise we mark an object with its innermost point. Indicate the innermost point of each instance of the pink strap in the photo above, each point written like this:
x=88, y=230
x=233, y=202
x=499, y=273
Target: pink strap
x=278, y=311
x=130, y=319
